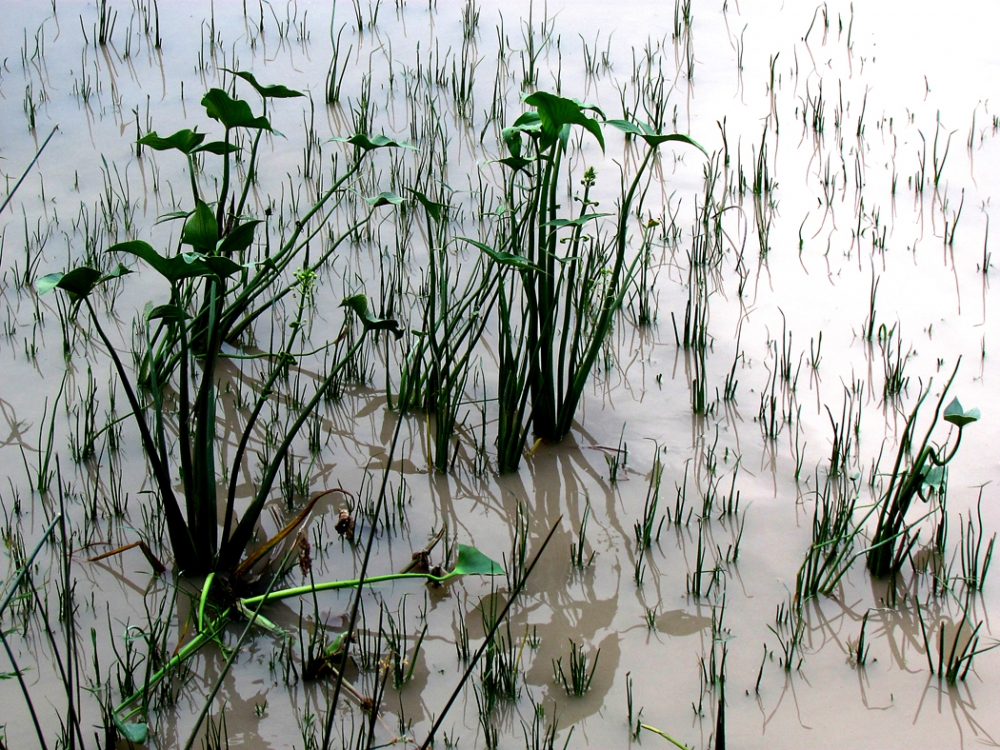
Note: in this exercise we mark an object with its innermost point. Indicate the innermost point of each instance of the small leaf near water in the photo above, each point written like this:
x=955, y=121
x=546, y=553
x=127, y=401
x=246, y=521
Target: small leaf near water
x=504, y=259
x=956, y=415
x=370, y=143
x=384, y=198
x=137, y=732
x=651, y=137
x=277, y=91
x=218, y=148
x=936, y=478
x=359, y=304
x=577, y=222
x=473, y=562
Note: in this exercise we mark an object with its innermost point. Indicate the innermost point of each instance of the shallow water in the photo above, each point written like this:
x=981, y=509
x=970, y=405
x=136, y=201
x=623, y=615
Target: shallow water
x=886, y=80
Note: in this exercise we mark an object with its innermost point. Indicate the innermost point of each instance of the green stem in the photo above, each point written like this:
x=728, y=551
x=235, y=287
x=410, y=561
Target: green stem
x=333, y=585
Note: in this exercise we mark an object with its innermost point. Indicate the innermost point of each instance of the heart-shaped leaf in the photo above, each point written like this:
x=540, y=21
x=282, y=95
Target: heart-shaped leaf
x=955, y=414
x=556, y=112
x=232, y=113
x=473, y=562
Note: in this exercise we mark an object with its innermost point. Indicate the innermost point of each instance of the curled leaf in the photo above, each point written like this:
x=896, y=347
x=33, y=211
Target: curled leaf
x=956, y=415
x=359, y=304
x=276, y=91
x=185, y=141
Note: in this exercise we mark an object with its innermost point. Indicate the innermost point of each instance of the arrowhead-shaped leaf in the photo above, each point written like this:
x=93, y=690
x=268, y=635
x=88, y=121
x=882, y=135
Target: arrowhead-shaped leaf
x=556, y=112
x=178, y=267
x=651, y=137
x=276, y=91
x=370, y=143
x=184, y=141
x=504, y=259
x=218, y=148
x=232, y=113
x=170, y=313
x=431, y=207
x=79, y=282
x=239, y=239
x=384, y=198
x=473, y=562
x=577, y=222
x=359, y=304
x=959, y=417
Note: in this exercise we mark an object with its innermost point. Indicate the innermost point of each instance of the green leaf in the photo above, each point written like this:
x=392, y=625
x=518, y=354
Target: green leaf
x=220, y=266
x=239, y=239
x=218, y=148
x=48, y=282
x=651, y=137
x=959, y=417
x=515, y=162
x=132, y=732
x=201, y=230
x=431, y=207
x=178, y=267
x=277, y=91
x=504, y=259
x=79, y=282
x=577, y=222
x=170, y=313
x=556, y=112
x=185, y=141
x=384, y=198
x=359, y=304
x=373, y=142
x=936, y=478
x=232, y=113
x=473, y=562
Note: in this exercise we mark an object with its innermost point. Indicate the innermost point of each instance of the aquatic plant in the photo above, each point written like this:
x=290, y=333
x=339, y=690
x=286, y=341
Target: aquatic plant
x=918, y=471
x=216, y=292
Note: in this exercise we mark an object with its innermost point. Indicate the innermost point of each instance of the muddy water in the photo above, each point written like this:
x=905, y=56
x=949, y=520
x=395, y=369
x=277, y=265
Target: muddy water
x=857, y=106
